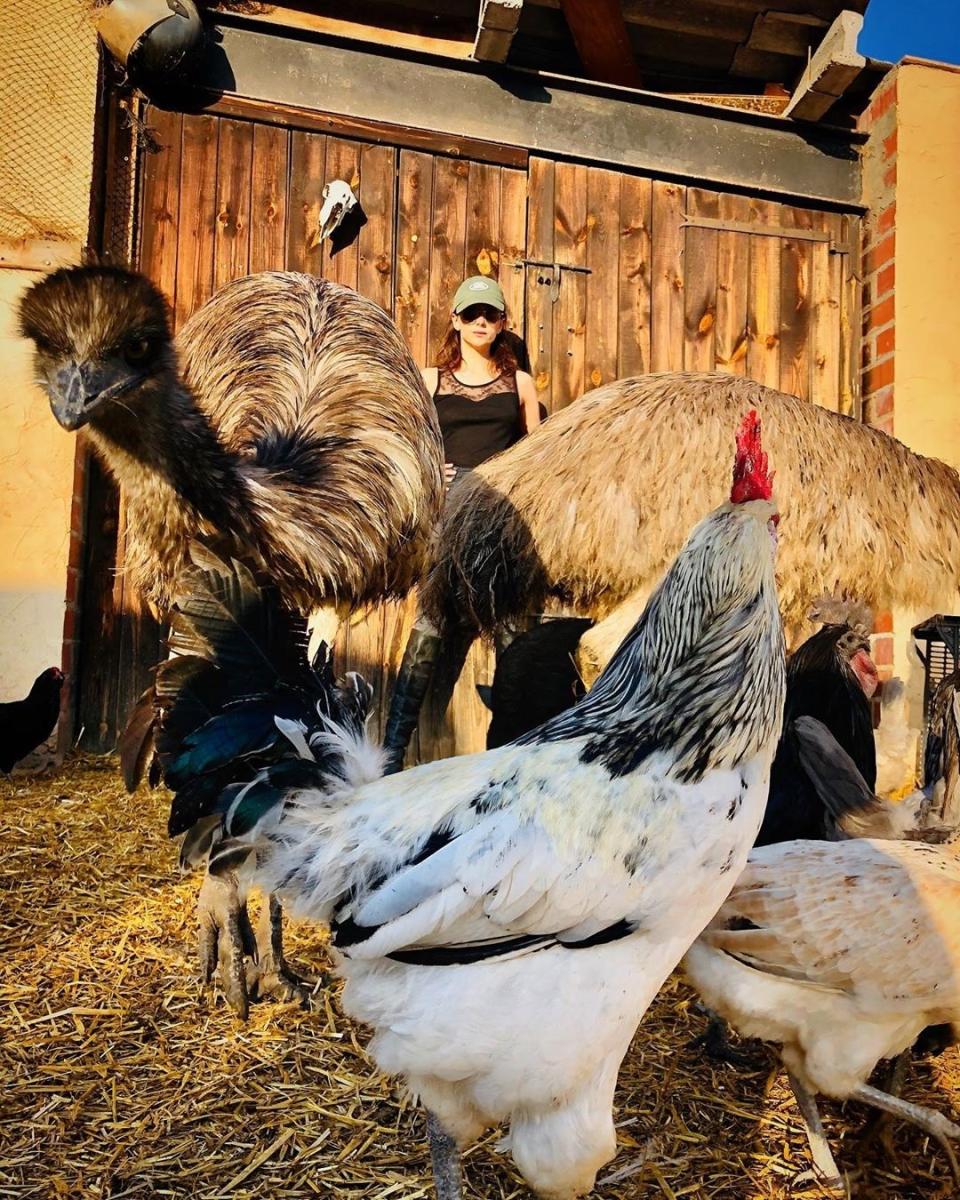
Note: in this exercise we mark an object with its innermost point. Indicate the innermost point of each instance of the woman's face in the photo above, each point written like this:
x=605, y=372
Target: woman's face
x=478, y=325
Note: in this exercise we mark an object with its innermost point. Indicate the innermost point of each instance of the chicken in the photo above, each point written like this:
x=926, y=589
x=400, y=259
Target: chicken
x=26, y=724
x=841, y=953
x=504, y=919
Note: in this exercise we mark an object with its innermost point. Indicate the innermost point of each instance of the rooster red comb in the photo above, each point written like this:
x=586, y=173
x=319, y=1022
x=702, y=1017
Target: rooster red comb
x=751, y=480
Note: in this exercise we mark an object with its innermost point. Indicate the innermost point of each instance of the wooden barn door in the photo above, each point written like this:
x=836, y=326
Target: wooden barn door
x=628, y=275
x=224, y=196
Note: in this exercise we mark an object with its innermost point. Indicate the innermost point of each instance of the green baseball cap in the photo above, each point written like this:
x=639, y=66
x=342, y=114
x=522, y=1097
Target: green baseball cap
x=478, y=289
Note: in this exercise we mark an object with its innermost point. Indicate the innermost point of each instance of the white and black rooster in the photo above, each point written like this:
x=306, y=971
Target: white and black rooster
x=502, y=920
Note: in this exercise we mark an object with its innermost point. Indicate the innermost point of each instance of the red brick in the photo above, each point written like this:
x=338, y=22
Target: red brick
x=882, y=652
x=883, y=622
x=881, y=403
x=884, y=424
x=881, y=314
x=890, y=176
x=890, y=146
x=887, y=219
x=885, y=673
x=883, y=101
x=885, y=281
x=886, y=342
x=878, y=376
x=882, y=253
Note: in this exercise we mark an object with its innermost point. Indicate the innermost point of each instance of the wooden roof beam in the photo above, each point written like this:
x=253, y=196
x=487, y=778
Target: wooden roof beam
x=495, y=29
x=832, y=68
x=600, y=35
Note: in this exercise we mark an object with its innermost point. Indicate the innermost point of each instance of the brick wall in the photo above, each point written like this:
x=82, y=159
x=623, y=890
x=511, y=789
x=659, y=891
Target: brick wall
x=879, y=344
x=878, y=371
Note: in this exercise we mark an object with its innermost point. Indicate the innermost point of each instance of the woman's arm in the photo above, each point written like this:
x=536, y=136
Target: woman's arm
x=430, y=377
x=529, y=404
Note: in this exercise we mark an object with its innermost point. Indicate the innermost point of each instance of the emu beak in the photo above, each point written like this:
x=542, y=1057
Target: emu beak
x=77, y=390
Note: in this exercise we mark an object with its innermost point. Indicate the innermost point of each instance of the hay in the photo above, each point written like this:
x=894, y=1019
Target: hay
x=121, y=1078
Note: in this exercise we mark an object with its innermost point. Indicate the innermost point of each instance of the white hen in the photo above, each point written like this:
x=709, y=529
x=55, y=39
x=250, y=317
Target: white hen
x=842, y=952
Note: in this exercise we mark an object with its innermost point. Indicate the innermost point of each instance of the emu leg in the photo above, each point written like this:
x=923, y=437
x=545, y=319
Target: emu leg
x=226, y=937
x=878, y=1127
x=269, y=975
x=930, y=1121
x=445, y=1156
x=823, y=1160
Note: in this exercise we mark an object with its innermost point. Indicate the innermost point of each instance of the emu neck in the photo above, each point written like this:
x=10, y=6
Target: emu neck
x=178, y=480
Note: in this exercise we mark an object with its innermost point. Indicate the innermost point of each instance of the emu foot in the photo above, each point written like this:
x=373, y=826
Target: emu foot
x=225, y=939
x=270, y=975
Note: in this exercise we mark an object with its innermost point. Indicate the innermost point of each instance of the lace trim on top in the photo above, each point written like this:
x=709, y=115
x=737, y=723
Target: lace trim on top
x=449, y=385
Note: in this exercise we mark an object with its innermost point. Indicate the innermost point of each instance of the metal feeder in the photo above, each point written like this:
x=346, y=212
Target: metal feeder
x=940, y=652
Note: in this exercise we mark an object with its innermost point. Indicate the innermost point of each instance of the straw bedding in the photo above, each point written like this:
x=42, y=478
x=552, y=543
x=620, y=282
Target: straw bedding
x=120, y=1077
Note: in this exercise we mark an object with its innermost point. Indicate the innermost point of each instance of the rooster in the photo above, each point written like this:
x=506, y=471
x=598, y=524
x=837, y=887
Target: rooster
x=26, y=723
x=481, y=906
x=841, y=953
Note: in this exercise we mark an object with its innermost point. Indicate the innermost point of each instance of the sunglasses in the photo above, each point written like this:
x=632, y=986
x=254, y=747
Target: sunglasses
x=473, y=312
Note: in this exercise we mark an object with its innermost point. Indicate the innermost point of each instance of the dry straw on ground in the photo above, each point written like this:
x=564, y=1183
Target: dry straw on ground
x=121, y=1078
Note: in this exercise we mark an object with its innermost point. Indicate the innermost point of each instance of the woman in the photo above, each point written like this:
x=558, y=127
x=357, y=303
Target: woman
x=484, y=404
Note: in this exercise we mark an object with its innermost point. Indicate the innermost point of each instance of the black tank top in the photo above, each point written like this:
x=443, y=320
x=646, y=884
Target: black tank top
x=477, y=420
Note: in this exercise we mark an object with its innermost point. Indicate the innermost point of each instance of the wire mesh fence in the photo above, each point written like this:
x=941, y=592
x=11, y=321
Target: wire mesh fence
x=48, y=89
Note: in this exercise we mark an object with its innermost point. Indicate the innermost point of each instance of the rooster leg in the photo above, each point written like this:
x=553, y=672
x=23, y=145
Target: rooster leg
x=225, y=935
x=270, y=975
x=823, y=1160
x=931, y=1122
x=879, y=1126
x=445, y=1156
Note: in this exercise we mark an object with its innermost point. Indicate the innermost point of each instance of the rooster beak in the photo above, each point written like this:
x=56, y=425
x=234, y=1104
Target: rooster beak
x=76, y=390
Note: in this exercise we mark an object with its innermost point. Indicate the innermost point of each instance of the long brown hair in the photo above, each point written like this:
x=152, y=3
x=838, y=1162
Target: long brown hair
x=449, y=356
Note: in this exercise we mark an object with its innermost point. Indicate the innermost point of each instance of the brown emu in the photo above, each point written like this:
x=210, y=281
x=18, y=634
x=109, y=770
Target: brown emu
x=556, y=517
x=288, y=427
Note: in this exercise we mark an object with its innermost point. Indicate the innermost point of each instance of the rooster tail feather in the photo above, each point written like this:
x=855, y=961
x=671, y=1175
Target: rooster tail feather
x=137, y=742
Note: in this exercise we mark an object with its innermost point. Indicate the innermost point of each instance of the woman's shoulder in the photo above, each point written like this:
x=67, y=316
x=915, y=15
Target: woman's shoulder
x=431, y=377
x=525, y=382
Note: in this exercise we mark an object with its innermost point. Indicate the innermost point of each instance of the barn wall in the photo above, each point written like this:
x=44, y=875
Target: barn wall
x=47, y=104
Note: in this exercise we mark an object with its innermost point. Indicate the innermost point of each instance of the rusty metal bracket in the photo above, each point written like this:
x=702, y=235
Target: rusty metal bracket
x=551, y=275
x=777, y=231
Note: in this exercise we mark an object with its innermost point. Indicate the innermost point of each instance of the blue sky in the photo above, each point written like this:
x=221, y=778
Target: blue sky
x=924, y=28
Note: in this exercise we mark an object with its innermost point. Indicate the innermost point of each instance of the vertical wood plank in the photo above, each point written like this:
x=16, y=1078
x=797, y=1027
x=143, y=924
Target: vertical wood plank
x=160, y=211
x=304, y=200
x=343, y=162
x=197, y=214
x=448, y=223
x=378, y=169
x=851, y=397
x=763, y=297
x=539, y=280
x=234, y=173
x=827, y=291
x=513, y=240
x=268, y=198
x=700, y=283
x=633, y=352
x=667, y=305
x=733, y=285
x=414, y=215
x=603, y=282
x=795, y=306
x=570, y=310
x=482, y=238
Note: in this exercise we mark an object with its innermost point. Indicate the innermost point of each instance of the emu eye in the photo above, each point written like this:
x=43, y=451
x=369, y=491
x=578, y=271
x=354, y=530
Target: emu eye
x=137, y=350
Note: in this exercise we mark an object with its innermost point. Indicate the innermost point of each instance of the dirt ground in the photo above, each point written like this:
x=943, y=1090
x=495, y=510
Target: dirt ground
x=122, y=1077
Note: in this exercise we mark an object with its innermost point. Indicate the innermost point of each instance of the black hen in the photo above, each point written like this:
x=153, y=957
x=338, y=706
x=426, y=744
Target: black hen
x=829, y=678
x=26, y=724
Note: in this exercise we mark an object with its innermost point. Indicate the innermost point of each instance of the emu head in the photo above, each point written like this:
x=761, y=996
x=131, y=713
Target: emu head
x=103, y=346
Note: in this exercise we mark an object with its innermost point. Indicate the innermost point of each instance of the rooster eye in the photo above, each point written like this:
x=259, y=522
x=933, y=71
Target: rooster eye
x=137, y=350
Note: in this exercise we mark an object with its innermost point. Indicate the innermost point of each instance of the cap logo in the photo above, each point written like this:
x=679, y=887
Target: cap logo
x=478, y=286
